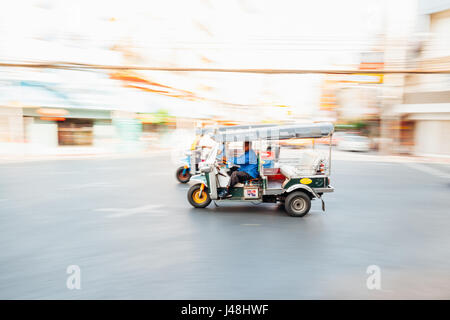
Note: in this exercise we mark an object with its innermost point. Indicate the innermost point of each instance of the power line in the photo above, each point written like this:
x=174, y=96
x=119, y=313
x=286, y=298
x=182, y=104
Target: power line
x=81, y=66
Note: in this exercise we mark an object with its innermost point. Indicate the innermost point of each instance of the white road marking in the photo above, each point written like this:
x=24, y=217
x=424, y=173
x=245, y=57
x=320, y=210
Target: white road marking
x=123, y=212
x=251, y=224
x=429, y=170
x=108, y=209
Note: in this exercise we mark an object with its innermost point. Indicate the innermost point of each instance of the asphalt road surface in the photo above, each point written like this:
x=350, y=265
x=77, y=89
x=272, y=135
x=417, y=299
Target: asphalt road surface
x=128, y=226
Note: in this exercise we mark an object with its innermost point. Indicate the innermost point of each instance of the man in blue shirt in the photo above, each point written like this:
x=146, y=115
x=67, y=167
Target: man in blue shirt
x=248, y=163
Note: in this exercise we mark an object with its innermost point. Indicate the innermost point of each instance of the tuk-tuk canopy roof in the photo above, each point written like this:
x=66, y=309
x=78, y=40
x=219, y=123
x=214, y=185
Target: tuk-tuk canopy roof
x=203, y=131
x=276, y=132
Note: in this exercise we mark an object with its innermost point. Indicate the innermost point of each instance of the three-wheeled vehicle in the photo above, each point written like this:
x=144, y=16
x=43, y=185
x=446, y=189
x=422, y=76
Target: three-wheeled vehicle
x=293, y=180
x=191, y=162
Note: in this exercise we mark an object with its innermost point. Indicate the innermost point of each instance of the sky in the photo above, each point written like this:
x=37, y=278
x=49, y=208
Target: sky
x=234, y=32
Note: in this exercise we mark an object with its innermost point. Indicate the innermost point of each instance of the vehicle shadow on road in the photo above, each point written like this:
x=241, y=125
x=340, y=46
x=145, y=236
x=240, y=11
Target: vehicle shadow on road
x=242, y=209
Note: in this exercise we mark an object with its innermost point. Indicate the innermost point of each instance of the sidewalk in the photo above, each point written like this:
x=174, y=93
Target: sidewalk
x=10, y=153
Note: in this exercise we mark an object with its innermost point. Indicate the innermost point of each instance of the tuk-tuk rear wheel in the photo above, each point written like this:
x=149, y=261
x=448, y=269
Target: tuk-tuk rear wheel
x=297, y=204
x=196, y=199
x=183, y=178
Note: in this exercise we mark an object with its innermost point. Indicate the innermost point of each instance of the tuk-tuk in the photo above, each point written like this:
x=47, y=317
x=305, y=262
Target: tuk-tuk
x=190, y=163
x=290, y=180
x=193, y=157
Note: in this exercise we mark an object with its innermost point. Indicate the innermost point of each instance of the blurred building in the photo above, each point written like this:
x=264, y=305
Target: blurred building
x=353, y=100
x=91, y=107
x=424, y=113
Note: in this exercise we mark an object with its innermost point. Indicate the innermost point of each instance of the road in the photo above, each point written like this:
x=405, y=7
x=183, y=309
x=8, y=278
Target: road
x=128, y=226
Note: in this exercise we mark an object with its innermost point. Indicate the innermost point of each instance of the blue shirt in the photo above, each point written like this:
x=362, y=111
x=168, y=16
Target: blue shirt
x=248, y=163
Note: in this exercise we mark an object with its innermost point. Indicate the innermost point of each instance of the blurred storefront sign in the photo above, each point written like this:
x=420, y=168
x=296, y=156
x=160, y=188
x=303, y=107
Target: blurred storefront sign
x=52, y=118
x=372, y=60
x=159, y=117
x=147, y=118
x=52, y=112
x=329, y=90
x=364, y=78
x=31, y=111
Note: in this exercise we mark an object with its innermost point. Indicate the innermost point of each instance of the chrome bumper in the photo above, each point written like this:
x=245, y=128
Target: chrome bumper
x=324, y=190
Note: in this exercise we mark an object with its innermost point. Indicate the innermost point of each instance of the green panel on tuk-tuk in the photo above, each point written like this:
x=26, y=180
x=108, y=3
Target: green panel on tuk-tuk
x=237, y=192
x=315, y=182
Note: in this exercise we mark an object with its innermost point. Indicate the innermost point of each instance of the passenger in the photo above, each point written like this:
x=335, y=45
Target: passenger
x=248, y=168
x=269, y=163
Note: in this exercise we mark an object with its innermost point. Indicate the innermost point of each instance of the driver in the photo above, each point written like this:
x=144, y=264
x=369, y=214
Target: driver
x=248, y=168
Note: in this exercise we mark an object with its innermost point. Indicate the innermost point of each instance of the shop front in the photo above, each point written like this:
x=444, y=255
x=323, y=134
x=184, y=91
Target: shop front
x=52, y=127
x=76, y=132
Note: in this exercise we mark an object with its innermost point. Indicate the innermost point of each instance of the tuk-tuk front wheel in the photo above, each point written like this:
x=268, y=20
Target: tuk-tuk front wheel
x=183, y=174
x=198, y=198
x=297, y=204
